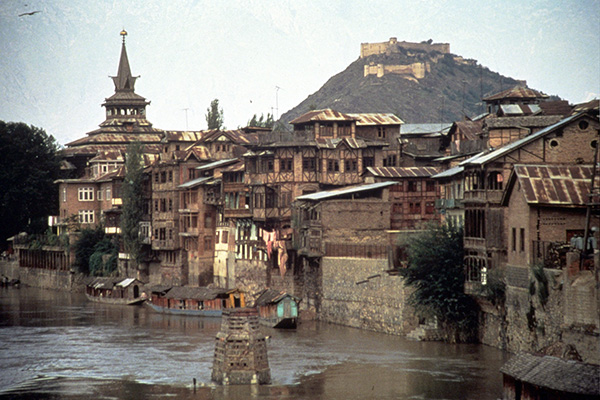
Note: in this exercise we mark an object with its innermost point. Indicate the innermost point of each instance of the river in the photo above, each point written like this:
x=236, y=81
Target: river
x=58, y=345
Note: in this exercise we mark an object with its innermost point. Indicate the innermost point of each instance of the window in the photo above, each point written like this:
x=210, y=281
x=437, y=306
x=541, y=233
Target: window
x=99, y=195
x=156, y=177
x=170, y=176
x=207, y=244
x=414, y=186
x=86, y=216
x=495, y=180
x=333, y=166
x=309, y=164
x=64, y=192
x=429, y=207
x=397, y=208
x=286, y=199
x=350, y=165
x=286, y=165
x=522, y=231
x=163, y=205
x=163, y=177
x=156, y=205
x=224, y=237
x=368, y=162
x=170, y=204
x=514, y=239
x=381, y=132
x=108, y=194
x=86, y=194
x=415, y=208
x=430, y=186
x=208, y=221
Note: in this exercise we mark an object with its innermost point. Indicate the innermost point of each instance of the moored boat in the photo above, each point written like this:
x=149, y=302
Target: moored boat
x=194, y=301
x=111, y=290
x=277, y=309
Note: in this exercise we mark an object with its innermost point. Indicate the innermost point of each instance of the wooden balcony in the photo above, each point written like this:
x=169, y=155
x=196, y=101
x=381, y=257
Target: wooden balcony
x=164, y=244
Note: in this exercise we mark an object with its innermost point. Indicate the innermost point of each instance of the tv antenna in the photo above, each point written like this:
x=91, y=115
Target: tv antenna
x=276, y=102
x=186, y=118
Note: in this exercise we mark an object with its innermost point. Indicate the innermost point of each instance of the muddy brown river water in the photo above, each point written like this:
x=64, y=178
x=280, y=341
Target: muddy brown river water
x=57, y=345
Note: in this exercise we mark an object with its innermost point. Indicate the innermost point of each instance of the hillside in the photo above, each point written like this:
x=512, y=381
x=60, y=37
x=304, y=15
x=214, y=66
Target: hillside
x=451, y=86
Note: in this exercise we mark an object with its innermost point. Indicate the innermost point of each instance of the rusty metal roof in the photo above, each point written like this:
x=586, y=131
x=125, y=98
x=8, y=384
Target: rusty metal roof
x=554, y=373
x=566, y=185
x=404, y=172
x=469, y=129
x=353, y=143
x=182, y=136
x=200, y=153
x=373, y=119
x=326, y=115
x=329, y=194
x=518, y=92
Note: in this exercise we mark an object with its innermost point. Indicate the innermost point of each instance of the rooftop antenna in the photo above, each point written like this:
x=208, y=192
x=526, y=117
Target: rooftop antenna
x=276, y=102
x=186, y=118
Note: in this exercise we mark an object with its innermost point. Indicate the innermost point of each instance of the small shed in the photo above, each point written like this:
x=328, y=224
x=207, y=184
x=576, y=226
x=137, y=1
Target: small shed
x=277, y=309
x=531, y=377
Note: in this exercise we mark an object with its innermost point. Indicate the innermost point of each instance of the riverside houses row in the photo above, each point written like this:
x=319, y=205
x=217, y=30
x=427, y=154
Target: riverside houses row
x=321, y=211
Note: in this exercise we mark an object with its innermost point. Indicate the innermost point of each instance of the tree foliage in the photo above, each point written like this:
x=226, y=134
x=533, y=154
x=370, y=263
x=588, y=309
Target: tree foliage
x=262, y=122
x=133, y=202
x=214, y=115
x=435, y=272
x=95, y=253
x=28, y=168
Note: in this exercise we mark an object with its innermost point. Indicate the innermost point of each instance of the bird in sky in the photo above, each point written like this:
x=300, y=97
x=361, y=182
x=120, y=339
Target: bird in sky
x=29, y=13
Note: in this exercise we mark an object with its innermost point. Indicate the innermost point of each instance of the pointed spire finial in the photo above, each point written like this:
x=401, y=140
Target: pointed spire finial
x=123, y=33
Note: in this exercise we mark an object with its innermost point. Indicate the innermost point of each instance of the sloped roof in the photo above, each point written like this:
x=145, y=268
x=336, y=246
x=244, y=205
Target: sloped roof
x=558, y=107
x=326, y=115
x=425, y=129
x=493, y=155
x=194, y=182
x=217, y=164
x=518, y=92
x=329, y=194
x=182, y=136
x=449, y=172
x=353, y=143
x=554, y=373
x=272, y=296
x=565, y=185
x=404, y=172
x=529, y=121
x=470, y=129
x=374, y=119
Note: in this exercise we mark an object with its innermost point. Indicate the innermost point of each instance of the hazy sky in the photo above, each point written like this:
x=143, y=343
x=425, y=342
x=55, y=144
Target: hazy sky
x=54, y=65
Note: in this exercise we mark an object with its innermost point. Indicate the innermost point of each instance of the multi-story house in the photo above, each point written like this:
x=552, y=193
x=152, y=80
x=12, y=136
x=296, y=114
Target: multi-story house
x=412, y=198
x=569, y=141
x=170, y=171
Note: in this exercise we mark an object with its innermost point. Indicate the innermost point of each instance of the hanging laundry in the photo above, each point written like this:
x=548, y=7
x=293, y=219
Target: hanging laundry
x=283, y=256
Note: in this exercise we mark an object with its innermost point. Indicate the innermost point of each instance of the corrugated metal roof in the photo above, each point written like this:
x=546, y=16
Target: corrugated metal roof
x=449, y=172
x=194, y=182
x=404, y=172
x=526, y=121
x=469, y=129
x=183, y=136
x=269, y=296
x=372, y=119
x=328, y=194
x=517, y=92
x=555, y=184
x=425, y=129
x=480, y=160
x=326, y=115
x=554, y=373
x=217, y=164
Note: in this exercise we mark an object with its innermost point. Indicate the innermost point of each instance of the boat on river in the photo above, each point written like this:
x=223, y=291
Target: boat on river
x=277, y=309
x=194, y=301
x=113, y=290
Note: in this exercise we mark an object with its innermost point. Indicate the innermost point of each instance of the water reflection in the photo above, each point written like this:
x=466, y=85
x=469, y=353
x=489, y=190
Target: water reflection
x=59, y=345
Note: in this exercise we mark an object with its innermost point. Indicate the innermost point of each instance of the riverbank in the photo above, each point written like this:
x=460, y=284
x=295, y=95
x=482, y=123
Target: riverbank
x=41, y=277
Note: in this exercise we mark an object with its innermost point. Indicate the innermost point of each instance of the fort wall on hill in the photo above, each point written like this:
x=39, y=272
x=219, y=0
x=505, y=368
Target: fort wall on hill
x=392, y=46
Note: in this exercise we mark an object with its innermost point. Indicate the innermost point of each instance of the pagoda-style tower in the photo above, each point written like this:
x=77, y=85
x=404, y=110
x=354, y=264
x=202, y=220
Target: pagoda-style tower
x=125, y=123
x=125, y=107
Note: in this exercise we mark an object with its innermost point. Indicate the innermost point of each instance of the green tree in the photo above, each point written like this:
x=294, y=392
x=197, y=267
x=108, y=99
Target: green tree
x=28, y=168
x=133, y=202
x=435, y=273
x=262, y=122
x=85, y=247
x=214, y=115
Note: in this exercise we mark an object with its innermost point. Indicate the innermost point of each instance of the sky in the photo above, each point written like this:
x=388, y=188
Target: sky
x=259, y=57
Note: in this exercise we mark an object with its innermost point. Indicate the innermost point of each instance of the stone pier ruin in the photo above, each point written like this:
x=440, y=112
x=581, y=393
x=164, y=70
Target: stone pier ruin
x=241, y=350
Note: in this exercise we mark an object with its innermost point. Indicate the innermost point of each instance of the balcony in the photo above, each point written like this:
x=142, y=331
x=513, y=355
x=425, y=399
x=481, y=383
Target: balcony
x=189, y=232
x=164, y=244
x=448, y=203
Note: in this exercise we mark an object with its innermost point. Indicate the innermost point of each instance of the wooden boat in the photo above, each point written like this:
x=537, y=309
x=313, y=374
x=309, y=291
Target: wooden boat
x=113, y=290
x=194, y=301
x=277, y=309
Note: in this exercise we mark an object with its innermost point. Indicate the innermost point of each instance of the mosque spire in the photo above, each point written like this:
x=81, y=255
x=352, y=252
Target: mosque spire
x=124, y=81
